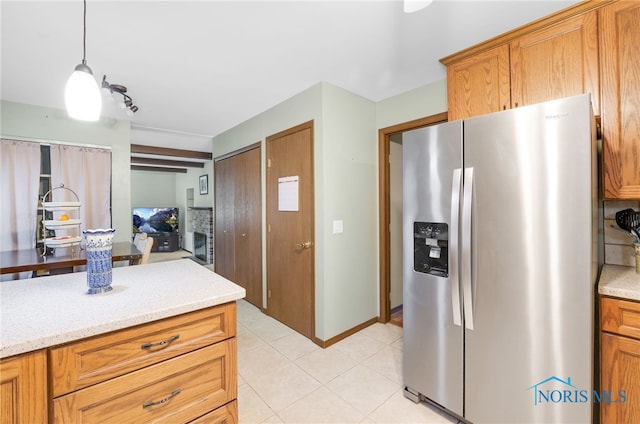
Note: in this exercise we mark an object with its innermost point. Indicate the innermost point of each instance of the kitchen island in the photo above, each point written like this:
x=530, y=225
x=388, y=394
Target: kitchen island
x=161, y=344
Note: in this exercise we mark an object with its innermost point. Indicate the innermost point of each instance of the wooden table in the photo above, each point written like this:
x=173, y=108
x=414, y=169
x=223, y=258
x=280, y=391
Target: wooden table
x=32, y=260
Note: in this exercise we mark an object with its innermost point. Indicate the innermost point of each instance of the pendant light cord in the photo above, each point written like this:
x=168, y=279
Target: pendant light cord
x=84, y=33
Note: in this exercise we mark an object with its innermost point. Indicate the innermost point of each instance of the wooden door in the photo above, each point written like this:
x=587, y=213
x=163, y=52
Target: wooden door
x=238, y=221
x=224, y=249
x=290, y=228
x=247, y=216
x=620, y=68
x=557, y=61
x=479, y=84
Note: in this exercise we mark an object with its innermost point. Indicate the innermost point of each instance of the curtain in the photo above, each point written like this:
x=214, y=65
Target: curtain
x=20, y=179
x=86, y=171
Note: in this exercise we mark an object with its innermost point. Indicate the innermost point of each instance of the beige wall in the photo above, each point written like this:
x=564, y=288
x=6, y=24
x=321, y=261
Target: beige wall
x=346, y=185
x=346, y=179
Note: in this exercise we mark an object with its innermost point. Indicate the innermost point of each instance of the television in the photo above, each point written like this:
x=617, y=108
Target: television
x=156, y=220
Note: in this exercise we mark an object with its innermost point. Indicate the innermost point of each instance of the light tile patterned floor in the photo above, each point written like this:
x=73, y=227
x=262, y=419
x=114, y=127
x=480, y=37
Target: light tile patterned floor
x=286, y=378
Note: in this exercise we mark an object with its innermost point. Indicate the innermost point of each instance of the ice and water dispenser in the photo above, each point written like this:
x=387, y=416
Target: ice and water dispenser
x=431, y=248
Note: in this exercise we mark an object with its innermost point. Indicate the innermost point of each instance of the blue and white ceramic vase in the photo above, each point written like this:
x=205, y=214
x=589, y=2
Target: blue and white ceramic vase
x=98, y=245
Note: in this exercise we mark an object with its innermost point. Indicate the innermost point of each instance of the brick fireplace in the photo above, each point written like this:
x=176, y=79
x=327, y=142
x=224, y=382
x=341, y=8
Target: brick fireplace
x=202, y=227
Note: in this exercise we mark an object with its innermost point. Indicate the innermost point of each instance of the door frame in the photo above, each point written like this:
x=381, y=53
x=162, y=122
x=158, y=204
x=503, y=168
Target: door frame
x=384, y=187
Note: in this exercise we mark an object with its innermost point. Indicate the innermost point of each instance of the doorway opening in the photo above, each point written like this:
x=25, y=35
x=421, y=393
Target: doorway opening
x=390, y=233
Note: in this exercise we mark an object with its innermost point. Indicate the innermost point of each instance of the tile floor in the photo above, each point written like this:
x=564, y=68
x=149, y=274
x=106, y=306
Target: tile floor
x=286, y=378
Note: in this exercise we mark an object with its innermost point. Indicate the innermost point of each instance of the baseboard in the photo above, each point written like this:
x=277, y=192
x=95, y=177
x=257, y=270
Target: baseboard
x=344, y=335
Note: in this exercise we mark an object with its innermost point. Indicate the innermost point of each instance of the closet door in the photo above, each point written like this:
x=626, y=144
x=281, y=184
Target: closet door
x=238, y=221
x=224, y=250
x=248, y=224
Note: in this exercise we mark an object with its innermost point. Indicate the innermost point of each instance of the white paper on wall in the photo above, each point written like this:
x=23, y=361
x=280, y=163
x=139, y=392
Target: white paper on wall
x=288, y=194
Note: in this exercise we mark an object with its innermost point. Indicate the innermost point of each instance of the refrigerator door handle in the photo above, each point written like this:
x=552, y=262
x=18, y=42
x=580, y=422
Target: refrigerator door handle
x=467, y=207
x=453, y=247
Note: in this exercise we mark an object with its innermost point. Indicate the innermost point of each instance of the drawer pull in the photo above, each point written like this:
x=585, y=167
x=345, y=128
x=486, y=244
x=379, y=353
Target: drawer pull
x=162, y=343
x=161, y=401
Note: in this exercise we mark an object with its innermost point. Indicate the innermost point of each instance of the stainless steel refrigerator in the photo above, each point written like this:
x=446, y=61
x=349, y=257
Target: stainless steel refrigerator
x=500, y=262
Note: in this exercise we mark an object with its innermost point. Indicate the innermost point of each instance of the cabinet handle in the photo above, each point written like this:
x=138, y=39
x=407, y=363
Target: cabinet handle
x=161, y=401
x=162, y=343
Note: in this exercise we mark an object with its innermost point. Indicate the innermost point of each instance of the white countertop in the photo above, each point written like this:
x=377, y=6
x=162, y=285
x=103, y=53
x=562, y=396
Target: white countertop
x=619, y=281
x=47, y=311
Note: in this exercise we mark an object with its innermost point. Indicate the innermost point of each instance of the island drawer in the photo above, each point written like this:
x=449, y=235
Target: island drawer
x=177, y=390
x=227, y=414
x=98, y=359
x=620, y=317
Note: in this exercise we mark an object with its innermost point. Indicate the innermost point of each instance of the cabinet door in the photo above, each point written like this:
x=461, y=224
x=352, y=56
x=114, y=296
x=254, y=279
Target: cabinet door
x=23, y=389
x=224, y=250
x=620, y=370
x=479, y=84
x=620, y=67
x=557, y=61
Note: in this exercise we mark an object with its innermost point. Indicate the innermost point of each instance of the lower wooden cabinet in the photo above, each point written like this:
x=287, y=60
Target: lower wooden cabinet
x=181, y=369
x=177, y=390
x=227, y=414
x=178, y=370
x=23, y=388
x=620, y=360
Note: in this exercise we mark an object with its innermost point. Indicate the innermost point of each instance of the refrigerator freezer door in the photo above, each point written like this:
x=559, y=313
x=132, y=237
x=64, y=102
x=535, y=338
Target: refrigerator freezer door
x=531, y=267
x=433, y=343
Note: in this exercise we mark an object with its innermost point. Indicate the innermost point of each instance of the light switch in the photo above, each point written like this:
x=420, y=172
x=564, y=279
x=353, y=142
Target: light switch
x=338, y=227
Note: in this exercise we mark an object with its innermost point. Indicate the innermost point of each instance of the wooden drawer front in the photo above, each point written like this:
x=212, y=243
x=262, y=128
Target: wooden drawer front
x=182, y=388
x=620, y=317
x=227, y=414
x=95, y=360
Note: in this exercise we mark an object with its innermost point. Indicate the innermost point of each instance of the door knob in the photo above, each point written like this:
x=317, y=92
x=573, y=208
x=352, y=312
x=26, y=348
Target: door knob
x=304, y=245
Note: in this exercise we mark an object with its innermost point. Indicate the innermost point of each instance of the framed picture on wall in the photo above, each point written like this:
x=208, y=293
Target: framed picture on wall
x=204, y=184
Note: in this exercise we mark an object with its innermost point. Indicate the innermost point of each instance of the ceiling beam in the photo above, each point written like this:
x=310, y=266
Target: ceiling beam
x=166, y=162
x=158, y=169
x=164, y=151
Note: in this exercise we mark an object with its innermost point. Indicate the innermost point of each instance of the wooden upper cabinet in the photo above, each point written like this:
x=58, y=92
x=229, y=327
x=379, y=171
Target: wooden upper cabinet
x=620, y=73
x=558, y=61
x=553, y=57
x=479, y=84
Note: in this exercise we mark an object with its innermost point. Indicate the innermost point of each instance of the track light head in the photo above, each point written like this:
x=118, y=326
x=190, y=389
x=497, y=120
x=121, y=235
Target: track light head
x=127, y=101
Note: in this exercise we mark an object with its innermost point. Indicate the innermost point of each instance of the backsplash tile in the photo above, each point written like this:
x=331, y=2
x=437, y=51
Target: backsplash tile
x=618, y=245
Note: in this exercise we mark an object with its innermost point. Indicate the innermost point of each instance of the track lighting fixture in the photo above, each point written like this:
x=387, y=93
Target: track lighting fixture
x=81, y=94
x=127, y=101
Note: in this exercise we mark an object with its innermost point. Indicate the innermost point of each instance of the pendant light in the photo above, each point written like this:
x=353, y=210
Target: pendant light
x=411, y=6
x=82, y=95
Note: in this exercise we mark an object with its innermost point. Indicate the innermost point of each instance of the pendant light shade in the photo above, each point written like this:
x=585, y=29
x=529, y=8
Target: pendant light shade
x=411, y=6
x=82, y=95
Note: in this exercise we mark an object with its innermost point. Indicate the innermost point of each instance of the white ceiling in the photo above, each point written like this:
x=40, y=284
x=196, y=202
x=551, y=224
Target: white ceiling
x=198, y=68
